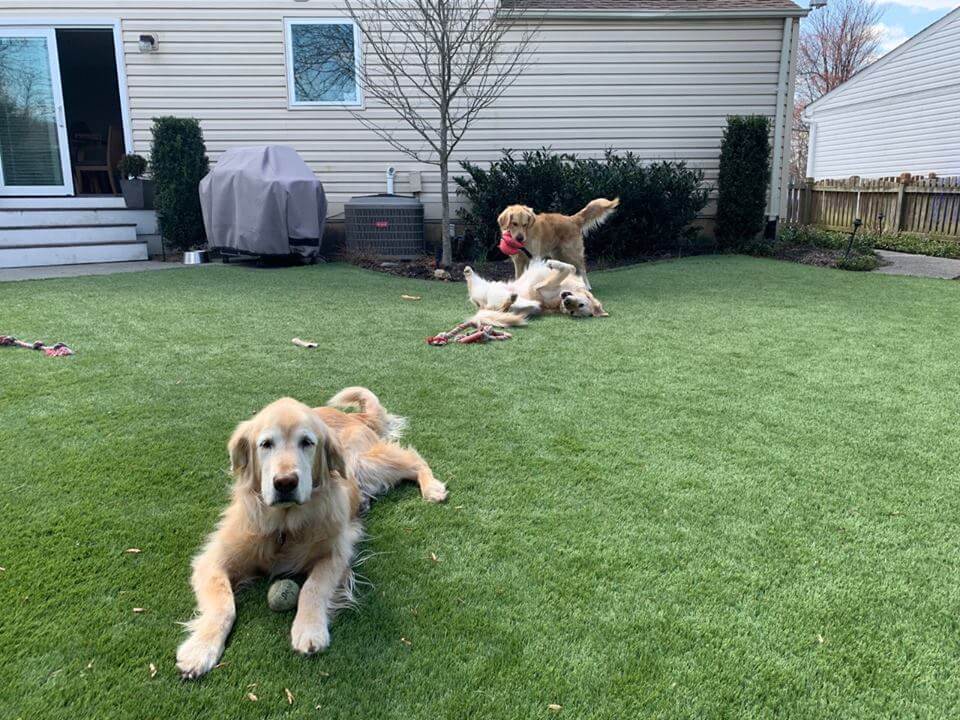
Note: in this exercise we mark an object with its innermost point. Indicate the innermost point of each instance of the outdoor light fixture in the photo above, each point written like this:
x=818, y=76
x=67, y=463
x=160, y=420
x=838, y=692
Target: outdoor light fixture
x=814, y=4
x=149, y=43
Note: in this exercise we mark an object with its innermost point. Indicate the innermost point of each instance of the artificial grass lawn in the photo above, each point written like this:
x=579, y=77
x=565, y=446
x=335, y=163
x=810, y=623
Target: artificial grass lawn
x=735, y=497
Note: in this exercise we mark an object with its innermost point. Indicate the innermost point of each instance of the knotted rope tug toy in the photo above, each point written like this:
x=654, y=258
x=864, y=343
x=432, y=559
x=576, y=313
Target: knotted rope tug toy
x=510, y=246
x=481, y=334
x=57, y=350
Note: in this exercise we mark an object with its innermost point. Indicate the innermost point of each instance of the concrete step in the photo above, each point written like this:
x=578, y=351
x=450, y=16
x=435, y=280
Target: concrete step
x=56, y=235
x=72, y=254
x=145, y=220
x=94, y=202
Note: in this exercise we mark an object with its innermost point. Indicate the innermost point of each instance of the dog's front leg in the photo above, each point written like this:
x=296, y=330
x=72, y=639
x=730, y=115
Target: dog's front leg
x=311, y=632
x=216, y=609
x=520, y=263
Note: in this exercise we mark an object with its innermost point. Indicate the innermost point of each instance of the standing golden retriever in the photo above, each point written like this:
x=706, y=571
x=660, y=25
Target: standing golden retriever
x=301, y=475
x=551, y=235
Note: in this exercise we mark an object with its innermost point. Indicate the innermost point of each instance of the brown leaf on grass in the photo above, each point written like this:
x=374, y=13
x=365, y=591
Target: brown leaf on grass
x=458, y=507
x=153, y=670
x=321, y=673
x=133, y=551
x=221, y=664
x=139, y=610
x=252, y=685
x=410, y=297
x=406, y=642
x=433, y=556
x=554, y=707
x=289, y=696
x=251, y=697
x=820, y=638
x=2, y=569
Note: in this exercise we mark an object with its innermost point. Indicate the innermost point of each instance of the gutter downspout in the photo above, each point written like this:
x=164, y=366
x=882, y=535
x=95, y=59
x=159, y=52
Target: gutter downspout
x=812, y=149
x=783, y=78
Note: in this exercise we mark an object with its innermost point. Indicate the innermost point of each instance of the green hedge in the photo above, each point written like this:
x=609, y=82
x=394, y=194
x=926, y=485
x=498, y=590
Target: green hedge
x=658, y=201
x=743, y=179
x=178, y=160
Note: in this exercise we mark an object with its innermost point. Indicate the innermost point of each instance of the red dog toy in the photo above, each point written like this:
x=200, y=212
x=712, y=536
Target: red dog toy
x=509, y=246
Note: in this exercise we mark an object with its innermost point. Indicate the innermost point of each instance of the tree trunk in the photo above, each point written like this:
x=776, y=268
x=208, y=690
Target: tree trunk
x=447, y=257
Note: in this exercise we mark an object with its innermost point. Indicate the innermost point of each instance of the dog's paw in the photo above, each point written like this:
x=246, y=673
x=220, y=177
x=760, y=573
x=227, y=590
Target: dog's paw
x=435, y=492
x=196, y=657
x=308, y=638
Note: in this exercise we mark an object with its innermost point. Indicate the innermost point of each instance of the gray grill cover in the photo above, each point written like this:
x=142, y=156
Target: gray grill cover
x=263, y=200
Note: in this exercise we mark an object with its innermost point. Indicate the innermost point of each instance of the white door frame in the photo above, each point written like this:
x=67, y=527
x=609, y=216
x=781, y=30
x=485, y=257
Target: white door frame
x=93, y=22
x=66, y=188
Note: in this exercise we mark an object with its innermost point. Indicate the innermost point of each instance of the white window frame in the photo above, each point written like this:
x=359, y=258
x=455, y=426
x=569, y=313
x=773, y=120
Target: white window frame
x=292, y=102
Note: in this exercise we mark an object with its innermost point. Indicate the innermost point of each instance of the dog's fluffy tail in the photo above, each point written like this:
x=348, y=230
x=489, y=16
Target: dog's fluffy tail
x=595, y=214
x=373, y=413
x=499, y=318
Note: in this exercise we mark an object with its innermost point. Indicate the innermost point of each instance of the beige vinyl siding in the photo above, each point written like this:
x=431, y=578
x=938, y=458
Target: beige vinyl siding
x=659, y=88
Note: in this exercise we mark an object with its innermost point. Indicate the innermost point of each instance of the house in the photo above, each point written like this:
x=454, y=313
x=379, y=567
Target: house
x=900, y=114
x=83, y=79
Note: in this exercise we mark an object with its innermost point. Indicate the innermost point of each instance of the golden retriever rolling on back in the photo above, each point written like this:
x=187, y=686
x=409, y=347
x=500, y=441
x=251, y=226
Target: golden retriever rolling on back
x=551, y=235
x=301, y=475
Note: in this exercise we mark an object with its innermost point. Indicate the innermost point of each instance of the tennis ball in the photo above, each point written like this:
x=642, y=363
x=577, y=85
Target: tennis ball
x=282, y=595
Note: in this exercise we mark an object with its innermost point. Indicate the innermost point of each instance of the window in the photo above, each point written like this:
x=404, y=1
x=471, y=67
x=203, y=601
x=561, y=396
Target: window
x=323, y=61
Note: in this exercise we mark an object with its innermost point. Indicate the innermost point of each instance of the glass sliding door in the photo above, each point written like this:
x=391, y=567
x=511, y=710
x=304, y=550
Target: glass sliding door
x=34, y=156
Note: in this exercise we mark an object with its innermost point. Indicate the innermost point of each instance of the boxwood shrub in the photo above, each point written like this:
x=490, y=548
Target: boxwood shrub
x=743, y=179
x=178, y=159
x=658, y=201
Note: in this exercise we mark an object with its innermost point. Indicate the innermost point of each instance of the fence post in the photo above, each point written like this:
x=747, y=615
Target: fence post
x=902, y=183
x=806, y=207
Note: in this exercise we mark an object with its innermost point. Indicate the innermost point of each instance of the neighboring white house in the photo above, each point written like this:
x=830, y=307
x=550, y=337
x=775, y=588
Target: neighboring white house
x=658, y=77
x=900, y=114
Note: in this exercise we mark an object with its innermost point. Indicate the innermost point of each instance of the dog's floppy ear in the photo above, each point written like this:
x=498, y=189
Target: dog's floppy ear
x=527, y=216
x=598, y=310
x=240, y=447
x=503, y=219
x=329, y=456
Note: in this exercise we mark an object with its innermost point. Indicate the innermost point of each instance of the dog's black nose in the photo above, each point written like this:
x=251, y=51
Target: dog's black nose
x=286, y=484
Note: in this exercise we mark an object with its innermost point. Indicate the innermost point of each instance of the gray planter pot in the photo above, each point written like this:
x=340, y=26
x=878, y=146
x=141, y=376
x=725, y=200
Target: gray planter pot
x=137, y=194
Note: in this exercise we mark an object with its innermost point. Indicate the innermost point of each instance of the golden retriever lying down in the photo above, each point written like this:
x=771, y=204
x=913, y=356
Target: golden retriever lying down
x=546, y=286
x=554, y=235
x=301, y=475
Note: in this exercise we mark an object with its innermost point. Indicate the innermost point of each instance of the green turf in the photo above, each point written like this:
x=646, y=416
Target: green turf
x=736, y=497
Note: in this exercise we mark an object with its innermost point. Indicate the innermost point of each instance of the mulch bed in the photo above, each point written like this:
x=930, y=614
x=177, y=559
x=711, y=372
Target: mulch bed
x=809, y=255
x=423, y=268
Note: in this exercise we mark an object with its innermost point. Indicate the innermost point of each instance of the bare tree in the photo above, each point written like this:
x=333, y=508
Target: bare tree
x=836, y=42
x=438, y=65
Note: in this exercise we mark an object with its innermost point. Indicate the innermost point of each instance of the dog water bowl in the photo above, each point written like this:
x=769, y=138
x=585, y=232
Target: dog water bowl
x=196, y=257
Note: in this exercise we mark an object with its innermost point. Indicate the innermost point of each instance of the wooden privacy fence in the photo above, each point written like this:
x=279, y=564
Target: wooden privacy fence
x=887, y=205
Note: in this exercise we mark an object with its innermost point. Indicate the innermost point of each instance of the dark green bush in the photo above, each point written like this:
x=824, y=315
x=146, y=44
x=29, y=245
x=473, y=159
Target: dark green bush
x=743, y=179
x=132, y=166
x=917, y=244
x=658, y=201
x=179, y=161
x=864, y=262
x=818, y=237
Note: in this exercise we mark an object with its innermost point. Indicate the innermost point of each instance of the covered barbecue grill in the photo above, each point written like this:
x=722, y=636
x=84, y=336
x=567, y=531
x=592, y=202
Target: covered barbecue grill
x=263, y=201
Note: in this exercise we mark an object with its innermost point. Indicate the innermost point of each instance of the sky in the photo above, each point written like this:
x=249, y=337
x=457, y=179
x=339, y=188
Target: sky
x=903, y=19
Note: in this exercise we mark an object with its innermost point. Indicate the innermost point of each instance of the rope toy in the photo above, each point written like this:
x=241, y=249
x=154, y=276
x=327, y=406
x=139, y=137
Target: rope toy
x=509, y=246
x=57, y=350
x=481, y=334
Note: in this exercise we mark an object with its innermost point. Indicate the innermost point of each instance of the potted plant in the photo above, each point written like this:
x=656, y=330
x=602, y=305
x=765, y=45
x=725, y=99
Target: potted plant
x=137, y=192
